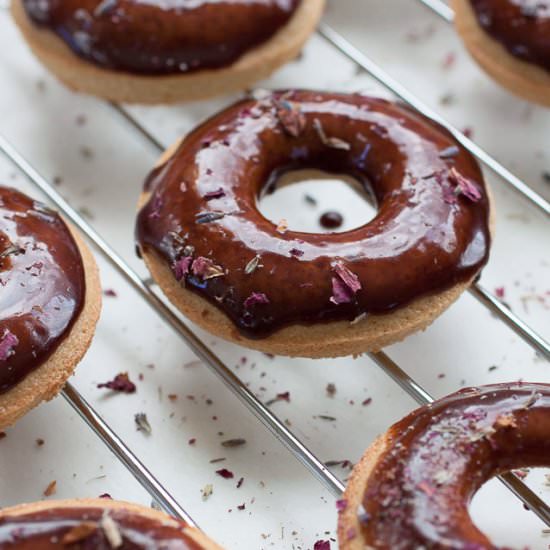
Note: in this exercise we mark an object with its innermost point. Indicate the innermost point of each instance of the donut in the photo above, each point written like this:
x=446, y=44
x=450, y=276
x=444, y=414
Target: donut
x=99, y=523
x=413, y=486
x=259, y=284
x=510, y=39
x=50, y=299
x=158, y=52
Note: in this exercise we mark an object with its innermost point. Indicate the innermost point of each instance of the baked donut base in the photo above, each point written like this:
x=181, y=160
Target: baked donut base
x=45, y=382
x=315, y=341
x=524, y=79
x=104, y=503
x=257, y=64
x=348, y=519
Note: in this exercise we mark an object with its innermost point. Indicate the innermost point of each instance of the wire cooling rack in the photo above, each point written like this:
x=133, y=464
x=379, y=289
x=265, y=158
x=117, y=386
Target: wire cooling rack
x=150, y=294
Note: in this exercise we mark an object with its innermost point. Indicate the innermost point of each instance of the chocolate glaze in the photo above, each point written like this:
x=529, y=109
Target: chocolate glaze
x=161, y=36
x=45, y=530
x=423, y=240
x=42, y=286
x=439, y=456
x=521, y=26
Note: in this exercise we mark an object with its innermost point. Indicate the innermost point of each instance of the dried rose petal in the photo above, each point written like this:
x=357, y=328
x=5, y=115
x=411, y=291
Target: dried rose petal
x=157, y=205
x=465, y=186
x=181, y=267
x=256, y=298
x=225, y=473
x=349, y=278
x=8, y=342
x=209, y=217
x=205, y=268
x=285, y=396
x=341, y=505
x=322, y=545
x=340, y=292
x=345, y=284
x=121, y=383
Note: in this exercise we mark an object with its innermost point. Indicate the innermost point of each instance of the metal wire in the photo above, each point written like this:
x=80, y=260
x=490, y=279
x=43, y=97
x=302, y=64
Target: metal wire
x=440, y=8
x=350, y=51
x=140, y=472
x=281, y=432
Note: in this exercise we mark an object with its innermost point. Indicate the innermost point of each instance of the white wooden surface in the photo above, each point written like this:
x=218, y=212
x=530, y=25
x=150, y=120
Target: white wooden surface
x=99, y=163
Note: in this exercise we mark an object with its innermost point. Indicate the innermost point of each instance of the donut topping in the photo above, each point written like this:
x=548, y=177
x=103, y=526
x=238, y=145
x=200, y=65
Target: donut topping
x=81, y=527
x=435, y=459
x=431, y=231
x=521, y=26
x=42, y=285
x=159, y=37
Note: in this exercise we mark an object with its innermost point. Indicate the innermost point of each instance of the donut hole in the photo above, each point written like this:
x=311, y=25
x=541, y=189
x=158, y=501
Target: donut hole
x=303, y=197
x=494, y=510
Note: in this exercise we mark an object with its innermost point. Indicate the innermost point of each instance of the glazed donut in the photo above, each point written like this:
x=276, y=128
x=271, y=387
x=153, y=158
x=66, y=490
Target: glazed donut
x=510, y=39
x=50, y=300
x=154, y=52
x=245, y=279
x=412, y=487
x=95, y=523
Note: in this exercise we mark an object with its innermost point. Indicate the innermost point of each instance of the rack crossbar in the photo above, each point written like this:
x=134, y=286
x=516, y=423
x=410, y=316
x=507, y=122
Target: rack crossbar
x=440, y=8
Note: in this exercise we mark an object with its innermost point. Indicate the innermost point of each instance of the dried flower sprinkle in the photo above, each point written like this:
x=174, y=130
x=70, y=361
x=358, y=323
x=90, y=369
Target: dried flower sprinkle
x=206, y=269
x=121, y=383
x=345, y=284
x=225, y=473
x=333, y=142
x=290, y=117
x=252, y=265
x=256, y=298
x=142, y=423
x=7, y=344
x=464, y=186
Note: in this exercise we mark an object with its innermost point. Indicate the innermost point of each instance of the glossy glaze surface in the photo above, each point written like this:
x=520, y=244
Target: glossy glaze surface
x=437, y=457
x=161, y=36
x=86, y=528
x=425, y=238
x=521, y=26
x=42, y=286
